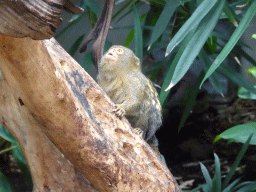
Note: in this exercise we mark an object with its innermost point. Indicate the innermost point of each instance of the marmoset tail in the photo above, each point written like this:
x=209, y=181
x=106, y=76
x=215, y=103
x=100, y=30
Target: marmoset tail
x=121, y=78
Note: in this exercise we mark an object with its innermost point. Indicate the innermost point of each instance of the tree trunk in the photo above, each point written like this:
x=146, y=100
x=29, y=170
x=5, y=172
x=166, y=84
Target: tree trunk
x=64, y=123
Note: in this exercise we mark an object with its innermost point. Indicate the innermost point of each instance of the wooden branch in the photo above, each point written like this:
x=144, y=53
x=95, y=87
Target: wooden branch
x=37, y=19
x=44, y=91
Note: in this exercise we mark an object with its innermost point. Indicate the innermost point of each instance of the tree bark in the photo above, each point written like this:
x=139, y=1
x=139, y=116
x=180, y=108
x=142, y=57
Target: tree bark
x=64, y=123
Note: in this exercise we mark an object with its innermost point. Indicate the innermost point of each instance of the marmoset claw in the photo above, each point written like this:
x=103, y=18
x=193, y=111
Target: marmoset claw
x=138, y=131
x=119, y=111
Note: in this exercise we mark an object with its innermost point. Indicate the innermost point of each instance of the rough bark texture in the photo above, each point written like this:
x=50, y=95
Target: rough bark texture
x=45, y=96
x=37, y=19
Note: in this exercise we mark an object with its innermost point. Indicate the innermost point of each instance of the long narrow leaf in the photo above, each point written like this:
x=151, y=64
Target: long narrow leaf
x=245, y=55
x=138, y=5
x=237, y=161
x=248, y=188
x=5, y=134
x=241, y=2
x=138, y=34
x=5, y=184
x=230, y=186
x=197, y=41
x=236, y=77
x=243, y=184
x=191, y=23
x=231, y=15
x=206, y=175
x=192, y=93
x=93, y=6
x=245, y=94
x=214, y=79
x=76, y=45
x=70, y=25
x=250, y=13
x=17, y=153
x=131, y=34
x=168, y=76
x=233, y=75
x=163, y=20
x=87, y=62
x=129, y=3
x=7, y=149
x=216, y=184
x=23, y=166
x=129, y=38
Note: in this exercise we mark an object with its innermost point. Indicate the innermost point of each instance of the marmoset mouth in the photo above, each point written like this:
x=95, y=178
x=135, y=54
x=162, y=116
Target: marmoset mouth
x=111, y=56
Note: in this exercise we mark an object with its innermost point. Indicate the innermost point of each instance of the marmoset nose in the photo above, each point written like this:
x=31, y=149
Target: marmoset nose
x=112, y=52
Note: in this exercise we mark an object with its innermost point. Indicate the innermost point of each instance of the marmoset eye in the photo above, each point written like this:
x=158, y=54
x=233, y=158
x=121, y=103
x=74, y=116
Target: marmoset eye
x=120, y=51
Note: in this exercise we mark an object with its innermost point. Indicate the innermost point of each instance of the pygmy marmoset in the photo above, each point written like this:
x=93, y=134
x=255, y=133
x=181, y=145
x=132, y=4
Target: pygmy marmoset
x=121, y=78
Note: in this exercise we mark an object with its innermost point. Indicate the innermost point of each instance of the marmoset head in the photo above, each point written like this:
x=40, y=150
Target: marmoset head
x=120, y=57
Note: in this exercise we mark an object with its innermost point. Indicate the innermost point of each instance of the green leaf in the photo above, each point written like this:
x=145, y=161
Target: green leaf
x=236, y=77
x=197, y=188
x=239, y=3
x=76, y=45
x=216, y=183
x=197, y=41
x=211, y=45
x=250, y=13
x=93, y=6
x=184, y=1
x=23, y=166
x=240, y=51
x=207, y=176
x=119, y=1
x=131, y=34
x=163, y=20
x=190, y=101
x=120, y=11
x=7, y=149
x=248, y=188
x=134, y=2
x=5, y=184
x=252, y=71
x=245, y=94
x=237, y=161
x=5, y=134
x=231, y=15
x=254, y=36
x=217, y=138
x=214, y=79
x=242, y=185
x=230, y=186
x=138, y=34
x=17, y=153
x=240, y=133
x=191, y=23
x=129, y=38
x=69, y=26
x=226, y=36
x=87, y=62
x=168, y=76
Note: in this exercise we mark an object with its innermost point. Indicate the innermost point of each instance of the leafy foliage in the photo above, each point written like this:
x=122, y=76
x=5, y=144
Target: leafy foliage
x=5, y=184
x=186, y=31
x=182, y=31
x=240, y=133
x=17, y=153
x=217, y=184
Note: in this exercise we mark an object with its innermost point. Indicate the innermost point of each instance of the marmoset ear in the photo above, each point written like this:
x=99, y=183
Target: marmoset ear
x=136, y=61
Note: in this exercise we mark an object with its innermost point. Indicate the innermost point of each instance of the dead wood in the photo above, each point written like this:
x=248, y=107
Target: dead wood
x=47, y=96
